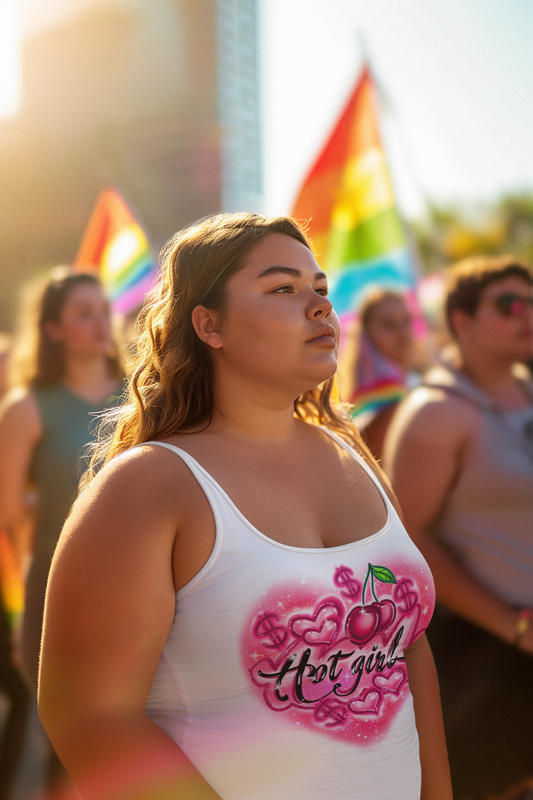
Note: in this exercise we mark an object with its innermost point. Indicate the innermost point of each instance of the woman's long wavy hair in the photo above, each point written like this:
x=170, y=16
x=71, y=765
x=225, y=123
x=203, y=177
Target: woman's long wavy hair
x=172, y=382
x=38, y=360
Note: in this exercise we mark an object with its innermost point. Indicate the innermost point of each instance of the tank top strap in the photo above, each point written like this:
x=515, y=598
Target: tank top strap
x=207, y=483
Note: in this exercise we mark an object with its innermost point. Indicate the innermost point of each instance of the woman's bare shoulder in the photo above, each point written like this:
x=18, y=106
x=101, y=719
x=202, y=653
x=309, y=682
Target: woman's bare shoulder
x=19, y=410
x=141, y=498
x=429, y=405
x=144, y=471
x=19, y=400
x=430, y=420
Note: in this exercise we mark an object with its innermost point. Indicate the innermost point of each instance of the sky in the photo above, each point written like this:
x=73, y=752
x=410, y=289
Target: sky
x=457, y=93
x=456, y=81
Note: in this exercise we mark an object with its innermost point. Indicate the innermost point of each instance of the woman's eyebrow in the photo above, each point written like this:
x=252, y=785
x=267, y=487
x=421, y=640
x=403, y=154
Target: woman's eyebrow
x=294, y=273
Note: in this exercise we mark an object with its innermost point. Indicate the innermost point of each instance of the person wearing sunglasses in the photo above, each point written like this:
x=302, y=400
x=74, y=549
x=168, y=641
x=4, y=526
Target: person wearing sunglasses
x=460, y=456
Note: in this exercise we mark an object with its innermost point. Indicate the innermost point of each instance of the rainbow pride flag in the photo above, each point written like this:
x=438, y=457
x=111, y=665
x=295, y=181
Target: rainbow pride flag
x=347, y=197
x=115, y=245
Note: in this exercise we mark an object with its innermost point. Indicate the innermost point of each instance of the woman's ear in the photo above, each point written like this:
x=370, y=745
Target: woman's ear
x=205, y=323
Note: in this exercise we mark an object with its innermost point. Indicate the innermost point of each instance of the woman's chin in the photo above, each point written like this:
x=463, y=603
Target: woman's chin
x=318, y=378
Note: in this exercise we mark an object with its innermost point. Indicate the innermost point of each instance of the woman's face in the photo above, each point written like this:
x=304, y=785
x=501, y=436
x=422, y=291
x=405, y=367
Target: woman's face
x=391, y=332
x=279, y=330
x=84, y=324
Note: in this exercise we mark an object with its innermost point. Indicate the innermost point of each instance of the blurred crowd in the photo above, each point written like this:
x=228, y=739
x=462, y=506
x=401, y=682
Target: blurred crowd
x=445, y=406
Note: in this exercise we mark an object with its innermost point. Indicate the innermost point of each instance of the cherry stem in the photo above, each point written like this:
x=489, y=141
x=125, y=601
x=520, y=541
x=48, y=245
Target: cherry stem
x=372, y=587
x=369, y=572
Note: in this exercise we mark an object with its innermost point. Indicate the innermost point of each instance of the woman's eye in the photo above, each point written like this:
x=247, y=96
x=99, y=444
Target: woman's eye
x=284, y=289
x=289, y=289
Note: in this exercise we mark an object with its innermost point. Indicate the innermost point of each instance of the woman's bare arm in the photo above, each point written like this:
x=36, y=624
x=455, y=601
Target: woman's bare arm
x=436, y=781
x=20, y=431
x=109, y=609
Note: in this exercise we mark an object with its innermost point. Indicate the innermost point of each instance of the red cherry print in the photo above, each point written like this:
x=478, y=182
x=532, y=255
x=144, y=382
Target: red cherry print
x=387, y=614
x=362, y=623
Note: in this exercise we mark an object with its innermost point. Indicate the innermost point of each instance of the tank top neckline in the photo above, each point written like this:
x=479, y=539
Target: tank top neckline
x=92, y=405
x=311, y=550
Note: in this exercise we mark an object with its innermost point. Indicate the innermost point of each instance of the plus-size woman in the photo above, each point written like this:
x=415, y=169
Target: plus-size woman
x=235, y=610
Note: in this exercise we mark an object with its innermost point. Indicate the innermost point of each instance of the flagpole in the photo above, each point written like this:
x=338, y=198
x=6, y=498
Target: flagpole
x=388, y=107
x=368, y=61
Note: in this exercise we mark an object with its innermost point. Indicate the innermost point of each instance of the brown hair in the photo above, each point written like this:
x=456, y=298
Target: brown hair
x=38, y=360
x=467, y=279
x=374, y=299
x=171, y=388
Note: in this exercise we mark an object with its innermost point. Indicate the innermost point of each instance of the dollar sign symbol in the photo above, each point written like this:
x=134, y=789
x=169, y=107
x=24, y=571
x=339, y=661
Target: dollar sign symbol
x=403, y=592
x=344, y=577
x=327, y=709
x=265, y=627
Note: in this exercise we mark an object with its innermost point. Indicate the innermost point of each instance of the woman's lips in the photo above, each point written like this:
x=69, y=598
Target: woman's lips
x=325, y=336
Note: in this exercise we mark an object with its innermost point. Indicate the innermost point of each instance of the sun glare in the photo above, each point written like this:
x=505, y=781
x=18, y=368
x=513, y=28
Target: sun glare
x=10, y=66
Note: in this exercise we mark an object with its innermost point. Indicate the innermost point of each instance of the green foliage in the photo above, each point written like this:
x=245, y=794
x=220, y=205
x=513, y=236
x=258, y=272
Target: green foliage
x=450, y=232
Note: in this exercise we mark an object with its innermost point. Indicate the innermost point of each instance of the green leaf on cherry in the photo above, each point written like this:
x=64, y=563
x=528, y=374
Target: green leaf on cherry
x=382, y=574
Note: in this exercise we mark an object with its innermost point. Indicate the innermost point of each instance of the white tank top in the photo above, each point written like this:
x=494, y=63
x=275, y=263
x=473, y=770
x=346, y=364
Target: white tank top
x=283, y=676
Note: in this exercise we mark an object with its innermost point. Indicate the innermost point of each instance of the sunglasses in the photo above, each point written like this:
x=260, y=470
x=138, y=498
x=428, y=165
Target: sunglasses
x=510, y=304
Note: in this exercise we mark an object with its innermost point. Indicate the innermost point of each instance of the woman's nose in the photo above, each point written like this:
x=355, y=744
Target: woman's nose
x=320, y=306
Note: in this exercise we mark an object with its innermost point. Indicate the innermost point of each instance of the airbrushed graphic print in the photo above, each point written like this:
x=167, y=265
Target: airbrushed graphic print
x=331, y=658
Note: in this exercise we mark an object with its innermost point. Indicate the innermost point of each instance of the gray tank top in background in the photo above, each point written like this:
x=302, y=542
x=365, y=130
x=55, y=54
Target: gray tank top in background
x=68, y=424
x=487, y=519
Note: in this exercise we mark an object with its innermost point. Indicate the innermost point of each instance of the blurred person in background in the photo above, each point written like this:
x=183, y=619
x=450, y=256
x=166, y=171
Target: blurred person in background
x=65, y=371
x=460, y=456
x=14, y=724
x=385, y=350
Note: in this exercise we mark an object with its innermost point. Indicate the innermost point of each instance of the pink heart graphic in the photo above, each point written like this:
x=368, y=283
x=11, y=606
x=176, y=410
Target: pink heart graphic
x=368, y=703
x=326, y=634
x=392, y=683
x=322, y=627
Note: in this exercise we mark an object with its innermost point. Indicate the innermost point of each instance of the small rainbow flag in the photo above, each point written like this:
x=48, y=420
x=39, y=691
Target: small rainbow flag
x=11, y=583
x=372, y=400
x=115, y=245
x=378, y=383
x=348, y=199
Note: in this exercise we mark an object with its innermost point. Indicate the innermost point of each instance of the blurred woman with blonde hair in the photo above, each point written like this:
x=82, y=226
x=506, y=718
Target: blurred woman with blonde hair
x=65, y=370
x=384, y=355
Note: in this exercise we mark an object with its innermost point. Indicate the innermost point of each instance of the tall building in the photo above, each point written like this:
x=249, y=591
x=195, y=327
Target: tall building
x=159, y=98
x=239, y=106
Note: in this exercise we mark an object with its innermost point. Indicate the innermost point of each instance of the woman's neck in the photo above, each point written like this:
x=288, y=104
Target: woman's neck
x=89, y=378
x=241, y=413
